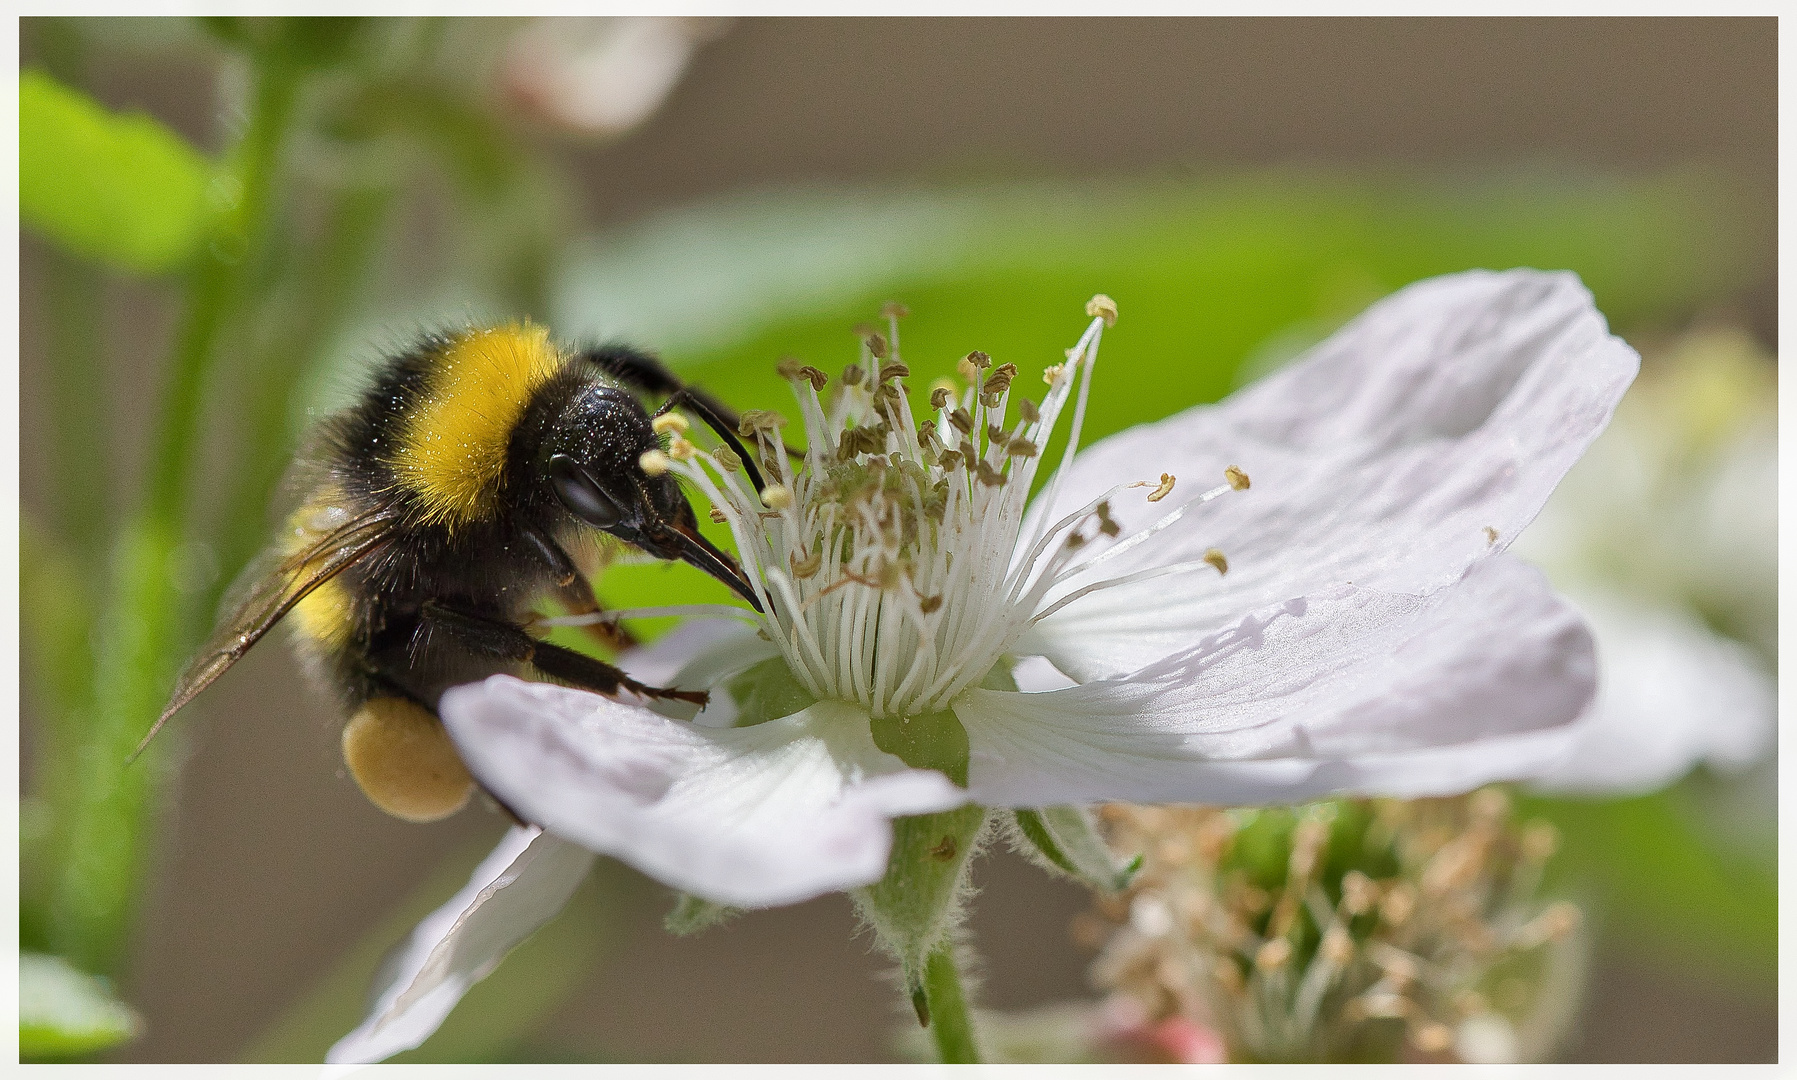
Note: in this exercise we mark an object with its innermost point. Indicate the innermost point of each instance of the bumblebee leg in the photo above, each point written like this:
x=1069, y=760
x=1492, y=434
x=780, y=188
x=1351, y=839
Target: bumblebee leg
x=502, y=640
x=575, y=592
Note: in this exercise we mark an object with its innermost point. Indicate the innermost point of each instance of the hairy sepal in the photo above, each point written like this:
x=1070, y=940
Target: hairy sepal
x=1065, y=839
x=693, y=914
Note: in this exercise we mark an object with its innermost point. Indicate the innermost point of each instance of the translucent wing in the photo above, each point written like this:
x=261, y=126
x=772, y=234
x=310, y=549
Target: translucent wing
x=272, y=586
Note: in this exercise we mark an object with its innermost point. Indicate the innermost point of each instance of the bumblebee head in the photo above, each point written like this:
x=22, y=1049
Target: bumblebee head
x=592, y=462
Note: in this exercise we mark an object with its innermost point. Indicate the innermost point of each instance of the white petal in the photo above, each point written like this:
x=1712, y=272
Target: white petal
x=1350, y=690
x=519, y=887
x=771, y=814
x=1671, y=695
x=1451, y=407
x=670, y=659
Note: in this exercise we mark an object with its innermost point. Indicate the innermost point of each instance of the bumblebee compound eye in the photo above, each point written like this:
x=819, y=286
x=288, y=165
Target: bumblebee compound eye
x=404, y=762
x=583, y=498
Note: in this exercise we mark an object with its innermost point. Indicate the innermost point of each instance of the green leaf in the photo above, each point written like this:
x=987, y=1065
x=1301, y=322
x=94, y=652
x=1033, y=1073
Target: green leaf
x=1067, y=839
x=64, y=1012
x=122, y=189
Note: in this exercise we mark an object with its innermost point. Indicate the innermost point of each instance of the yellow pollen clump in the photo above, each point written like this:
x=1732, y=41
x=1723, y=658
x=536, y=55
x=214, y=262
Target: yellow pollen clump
x=404, y=762
x=1236, y=477
x=1052, y=375
x=1165, y=489
x=1216, y=559
x=1102, y=307
x=654, y=462
x=776, y=496
x=669, y=422
x=682, y=450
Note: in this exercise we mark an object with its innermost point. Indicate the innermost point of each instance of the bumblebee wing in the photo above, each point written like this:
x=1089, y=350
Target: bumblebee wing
x=269, y=590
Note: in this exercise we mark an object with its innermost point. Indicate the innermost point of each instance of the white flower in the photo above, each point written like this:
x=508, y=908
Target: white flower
x=1348, y=624
x=1669, y=521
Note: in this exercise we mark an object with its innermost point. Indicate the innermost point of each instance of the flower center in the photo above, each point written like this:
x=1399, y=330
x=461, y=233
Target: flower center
x=897, y=565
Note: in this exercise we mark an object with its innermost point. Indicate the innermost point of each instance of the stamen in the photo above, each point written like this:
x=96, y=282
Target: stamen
x=1216, y=559
x=776, y=496
x=654, y=462
x=1165, y=488
x=669, y=422
x=1103, y=307
x=1236, y=477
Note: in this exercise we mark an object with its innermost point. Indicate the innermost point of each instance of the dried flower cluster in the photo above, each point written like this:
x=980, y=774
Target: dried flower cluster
x=1343, y=931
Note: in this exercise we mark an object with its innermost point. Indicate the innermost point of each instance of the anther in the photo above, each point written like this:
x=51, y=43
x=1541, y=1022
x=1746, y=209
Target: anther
x=1102, y=307
x=852, y=375
x=942, y=391
x=1027, y=409
x=966, y=369
x=1052, y=375
x=989, y=476
x=1236, y=477
x=1022, y=448
x=726, y=459
x=788, y=367
x=1216, y=559
x=892, y=309
x=894, y=370
x=929, y=604
x=718, y=516
x=1000, y=379
x=808, y=566
x=950, y=460
x=654, y=462
x=682, y=450
x=817, y=378
x=876, y=345
x=758, y=420
x=1165, y=489
x=669, y=423
x=979, y=359
x=1273, y=955
x=962, y=421
x=995, y=433
x=776, y=496
x=1491, y=535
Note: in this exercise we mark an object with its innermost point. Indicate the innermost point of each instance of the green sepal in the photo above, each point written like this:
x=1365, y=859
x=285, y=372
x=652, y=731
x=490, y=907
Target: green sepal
x=767, y=691
x=122, y=189
x=64, y=1012
x=1065, y=838
x=692, y=914
x=915, y=908
x=930, y=741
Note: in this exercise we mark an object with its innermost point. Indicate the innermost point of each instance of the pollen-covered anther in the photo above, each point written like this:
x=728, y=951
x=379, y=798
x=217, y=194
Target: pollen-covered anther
x=1236, y=477
x=754, y=421
x=807, y=567
x=1216, y=559
x=718, y=516
x=1165, y=489
x=1000, y=379
x=1102, y=307
x=669, y=423
x=1052, y=374
x=1337, y=947
x=654, y=462
x=1273, y=955
x=726, y=459
x=682, y=450
x=929, y=605
x=776, y=496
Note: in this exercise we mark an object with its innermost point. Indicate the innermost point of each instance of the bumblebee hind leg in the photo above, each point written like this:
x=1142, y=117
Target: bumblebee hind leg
x=403, y=761
x=501, y=640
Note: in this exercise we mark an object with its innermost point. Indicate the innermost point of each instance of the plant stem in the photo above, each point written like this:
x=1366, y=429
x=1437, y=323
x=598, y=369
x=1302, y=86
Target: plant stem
x=149, y=624
x=951, y=1027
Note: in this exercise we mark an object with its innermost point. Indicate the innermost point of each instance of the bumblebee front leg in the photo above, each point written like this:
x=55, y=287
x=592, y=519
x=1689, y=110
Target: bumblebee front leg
x=501, y=640
x=574, y=590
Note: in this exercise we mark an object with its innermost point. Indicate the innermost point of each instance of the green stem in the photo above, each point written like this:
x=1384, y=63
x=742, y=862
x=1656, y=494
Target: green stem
x=951, y=1026
x=149, y=624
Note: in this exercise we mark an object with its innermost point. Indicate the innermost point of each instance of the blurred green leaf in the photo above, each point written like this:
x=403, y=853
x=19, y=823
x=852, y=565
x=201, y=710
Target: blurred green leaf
x=1663, y=886
x=122, y=189
x=65, y=1013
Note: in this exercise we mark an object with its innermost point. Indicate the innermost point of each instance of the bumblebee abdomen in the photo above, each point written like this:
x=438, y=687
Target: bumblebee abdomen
x=449, y=444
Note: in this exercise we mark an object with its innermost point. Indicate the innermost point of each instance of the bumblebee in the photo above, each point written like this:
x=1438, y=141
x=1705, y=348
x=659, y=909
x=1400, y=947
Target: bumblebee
x=436, y=513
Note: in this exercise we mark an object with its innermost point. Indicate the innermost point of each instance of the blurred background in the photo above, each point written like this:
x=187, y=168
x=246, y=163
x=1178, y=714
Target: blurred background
x=226, y=221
